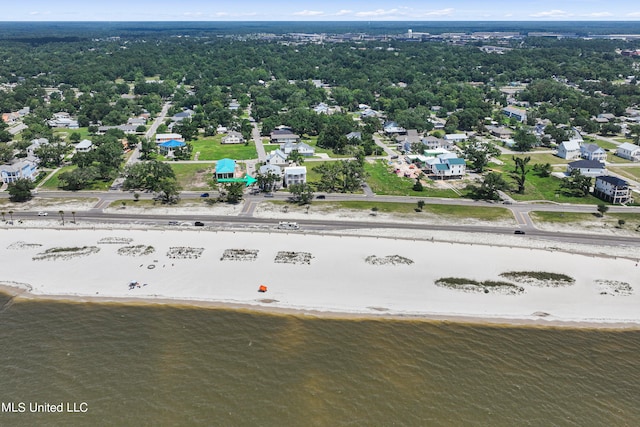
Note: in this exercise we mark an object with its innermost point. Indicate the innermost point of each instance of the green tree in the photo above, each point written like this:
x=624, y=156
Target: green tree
x=295, y=157
x=301, y=194
x=147, y=176
x=479, y=153
x=75, y=137
x=20, y=190
x=542, y=170
x=576, y=184
x=524, y=141
x=520, y=174
x=421, y=204
x=418, y=185
x=267, y=182
x=78, y=178
x=490, y=187
x=603, y=209
x=147, y=148
x=232, y=192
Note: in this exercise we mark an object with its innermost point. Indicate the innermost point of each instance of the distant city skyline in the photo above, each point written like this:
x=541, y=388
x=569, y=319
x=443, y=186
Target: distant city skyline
x=327, y=10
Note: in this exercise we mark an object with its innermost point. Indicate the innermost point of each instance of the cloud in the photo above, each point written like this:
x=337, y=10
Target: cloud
x=633, y=15
x=377, y=12
x=34, y=13
x=441, y=12
x=551, y=14
x=309, y=13
x=598, y=14
x=344, y=12
x=196, y=14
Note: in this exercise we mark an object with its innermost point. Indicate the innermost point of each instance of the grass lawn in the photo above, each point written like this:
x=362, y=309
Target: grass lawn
x=612, y=158
x=193, y=177
x=632, y=220
x=631, y=173
x=536, y=187
x=313, y=141
x=53, y=182
x=601, y=143
x=535, y=158
x=66, y=133
x=211, y=148
x=383, y=181
x=452, y=211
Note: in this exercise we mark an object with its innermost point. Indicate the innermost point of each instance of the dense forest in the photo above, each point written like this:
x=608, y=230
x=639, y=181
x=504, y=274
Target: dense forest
x=568, y=79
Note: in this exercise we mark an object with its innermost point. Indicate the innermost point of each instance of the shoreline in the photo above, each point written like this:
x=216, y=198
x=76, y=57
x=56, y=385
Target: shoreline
x=335, y=280
x=20, y=294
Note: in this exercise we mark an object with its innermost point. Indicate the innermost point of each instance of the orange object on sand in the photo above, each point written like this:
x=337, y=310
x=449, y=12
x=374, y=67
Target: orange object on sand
x=262, y=288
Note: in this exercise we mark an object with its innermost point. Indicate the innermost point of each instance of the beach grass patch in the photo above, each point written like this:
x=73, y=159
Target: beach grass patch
x=65, y=253
x=613, y=288
x=539, y=278
x=137, y=250
x=388, y=260
x=287, y=257
x=239, y=255
x=474, y=286
x=184, y=252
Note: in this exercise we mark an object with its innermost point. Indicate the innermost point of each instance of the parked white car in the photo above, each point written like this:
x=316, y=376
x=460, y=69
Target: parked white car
x=43, y=213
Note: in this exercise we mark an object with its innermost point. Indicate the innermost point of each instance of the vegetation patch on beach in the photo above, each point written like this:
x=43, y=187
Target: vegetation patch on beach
x=614, y=288
x=184, y=252
x=286, y=257
x=539, y=278
x=115, y=241
x=66, y=253
x=239, y=255
x=388, y=260
x=137, y=250
x=23, y=245
x=475, y=286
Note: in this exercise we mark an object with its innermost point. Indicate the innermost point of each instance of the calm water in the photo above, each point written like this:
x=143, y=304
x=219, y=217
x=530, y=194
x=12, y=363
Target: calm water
x=145, y=365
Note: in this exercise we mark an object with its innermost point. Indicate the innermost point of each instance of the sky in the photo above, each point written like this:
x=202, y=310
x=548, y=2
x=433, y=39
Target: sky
x=322, y=10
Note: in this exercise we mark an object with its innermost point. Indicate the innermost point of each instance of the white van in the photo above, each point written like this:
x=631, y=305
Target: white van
x=284, y=225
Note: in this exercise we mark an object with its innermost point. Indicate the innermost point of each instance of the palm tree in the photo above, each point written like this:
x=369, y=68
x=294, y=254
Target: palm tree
x=3, y=214
x=74, y=216
x=61, y=216
x=11, y=215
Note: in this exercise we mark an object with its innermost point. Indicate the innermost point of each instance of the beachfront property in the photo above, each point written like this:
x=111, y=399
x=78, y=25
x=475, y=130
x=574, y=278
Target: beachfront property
x=225, y=168
x=164, y=137
x=283, y=136
x=272, y=170
x=515, y=113
x=84, y=146
x=27, y=169
x=612, y=189
x=628, y=151
x=232, y=137
x=446, y=166
x=295, y=175
x=593, y=152
x=590, y=168
x=569, y=150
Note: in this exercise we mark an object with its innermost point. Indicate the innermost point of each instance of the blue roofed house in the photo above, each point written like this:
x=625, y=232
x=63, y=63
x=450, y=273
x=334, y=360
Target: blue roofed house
x=168, y=148
x=225, y=168
x=26, y=168
x=612, y=189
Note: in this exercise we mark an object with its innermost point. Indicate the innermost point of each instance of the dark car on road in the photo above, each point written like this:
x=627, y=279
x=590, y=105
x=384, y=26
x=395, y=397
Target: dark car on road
x=321, y=197
x=199, y=224
x=204, y=195
x=519, y=232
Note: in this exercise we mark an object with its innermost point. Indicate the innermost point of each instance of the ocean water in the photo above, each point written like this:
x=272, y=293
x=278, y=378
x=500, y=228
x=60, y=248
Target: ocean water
x=165, y=365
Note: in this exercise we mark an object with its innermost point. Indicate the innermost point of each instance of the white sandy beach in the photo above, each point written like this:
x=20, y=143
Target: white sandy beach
x=337, y=279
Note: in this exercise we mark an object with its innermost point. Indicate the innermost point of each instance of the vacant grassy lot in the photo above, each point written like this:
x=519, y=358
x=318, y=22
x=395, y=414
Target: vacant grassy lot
x=383, y=181
x=632, y=220
x=601, y=143
x=53, y=183
x=629, y=172
x=195, y=176
x=450, y=211
x=536, y=187
x=211, y=148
